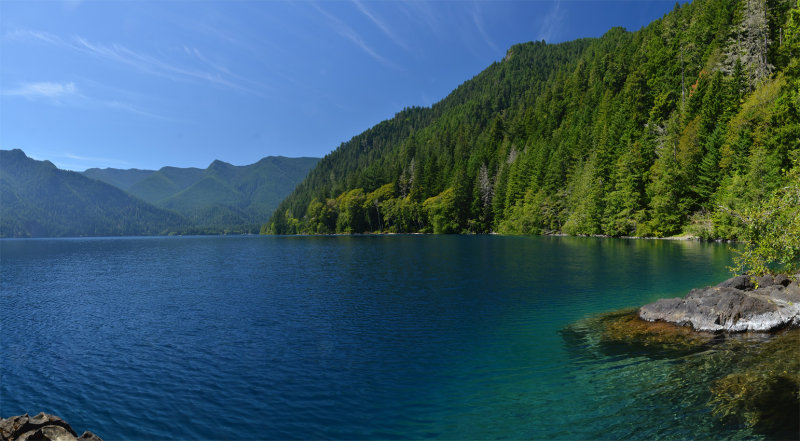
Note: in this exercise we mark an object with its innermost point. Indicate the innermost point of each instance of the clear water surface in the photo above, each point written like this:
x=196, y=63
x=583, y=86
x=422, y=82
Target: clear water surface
x=372, y=337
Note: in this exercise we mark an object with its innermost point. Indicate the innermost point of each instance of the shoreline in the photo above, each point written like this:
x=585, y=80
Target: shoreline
x=683, y=238
x=758, y=318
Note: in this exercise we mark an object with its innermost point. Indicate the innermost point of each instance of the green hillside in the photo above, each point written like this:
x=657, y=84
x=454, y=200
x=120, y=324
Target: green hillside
x=673, y=128
x=123, y=179
x=165, y=183
x=222, y=197
x=39, y=200
x=209, y=191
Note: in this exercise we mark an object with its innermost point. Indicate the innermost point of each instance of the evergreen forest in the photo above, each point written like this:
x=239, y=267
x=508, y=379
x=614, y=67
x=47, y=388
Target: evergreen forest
x=673, y=129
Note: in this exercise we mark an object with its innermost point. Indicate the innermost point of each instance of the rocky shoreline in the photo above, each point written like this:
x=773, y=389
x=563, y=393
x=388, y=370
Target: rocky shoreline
x=740, y=339
x=739, y=304
x=42, y=427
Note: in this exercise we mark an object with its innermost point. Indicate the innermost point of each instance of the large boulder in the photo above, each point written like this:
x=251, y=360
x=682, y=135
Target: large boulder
x=736, y=305
x=42, y=427
x=739, y=282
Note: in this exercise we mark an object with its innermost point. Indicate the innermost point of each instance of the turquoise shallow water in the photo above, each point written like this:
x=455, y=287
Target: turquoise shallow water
x=389, y=337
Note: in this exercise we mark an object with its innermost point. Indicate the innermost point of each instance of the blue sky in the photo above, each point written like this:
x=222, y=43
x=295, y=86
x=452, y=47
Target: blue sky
x=134, y=84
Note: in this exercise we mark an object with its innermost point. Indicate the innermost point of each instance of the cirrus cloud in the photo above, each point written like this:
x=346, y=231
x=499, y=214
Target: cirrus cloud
x=67, y=94
x=44, y=89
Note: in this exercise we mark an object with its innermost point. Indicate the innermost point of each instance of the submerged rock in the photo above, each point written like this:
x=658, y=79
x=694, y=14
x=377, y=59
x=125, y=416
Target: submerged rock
x=751, y=379
x=631, y=330
x=623, y=332
x=716, y=337
x=763, y=391
x=42, y=427
x=736, y=305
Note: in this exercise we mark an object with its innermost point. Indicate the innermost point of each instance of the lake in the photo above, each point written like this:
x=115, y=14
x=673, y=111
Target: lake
x=365, y=337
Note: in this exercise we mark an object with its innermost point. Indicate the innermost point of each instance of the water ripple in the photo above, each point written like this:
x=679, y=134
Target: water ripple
x=341, y=337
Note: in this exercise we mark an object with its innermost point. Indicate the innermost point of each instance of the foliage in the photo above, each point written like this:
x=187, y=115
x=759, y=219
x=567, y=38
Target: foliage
x=771, y=230
x=632, y=133
x=440, y=211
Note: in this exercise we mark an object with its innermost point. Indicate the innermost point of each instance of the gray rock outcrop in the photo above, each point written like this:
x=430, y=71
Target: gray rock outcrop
x=739, y=304
x=42, y=427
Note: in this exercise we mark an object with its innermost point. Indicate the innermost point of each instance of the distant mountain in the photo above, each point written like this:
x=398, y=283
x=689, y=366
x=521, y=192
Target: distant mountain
x=39, y=200
x=222, y=195
x=165, y=183
x=123, y=179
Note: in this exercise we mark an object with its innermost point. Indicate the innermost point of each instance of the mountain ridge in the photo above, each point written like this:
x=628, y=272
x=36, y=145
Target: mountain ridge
x=40, y=200
x=222, y=193
x=648, y=133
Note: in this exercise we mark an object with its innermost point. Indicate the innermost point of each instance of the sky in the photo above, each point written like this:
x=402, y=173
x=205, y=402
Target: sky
x=146, y=84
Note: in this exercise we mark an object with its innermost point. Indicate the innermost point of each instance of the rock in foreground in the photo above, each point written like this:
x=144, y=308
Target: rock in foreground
x=745, y=379
x=735, y=305
x=44, y=427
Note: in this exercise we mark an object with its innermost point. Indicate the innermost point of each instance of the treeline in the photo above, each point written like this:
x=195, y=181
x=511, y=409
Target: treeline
x=666, y=130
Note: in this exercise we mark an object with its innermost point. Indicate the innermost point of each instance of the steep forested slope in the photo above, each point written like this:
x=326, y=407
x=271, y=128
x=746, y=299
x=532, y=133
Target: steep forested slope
x=653, y=132
x=39, y=200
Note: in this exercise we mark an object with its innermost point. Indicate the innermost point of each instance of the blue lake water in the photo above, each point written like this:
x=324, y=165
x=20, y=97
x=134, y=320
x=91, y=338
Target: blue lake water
x=386, y=337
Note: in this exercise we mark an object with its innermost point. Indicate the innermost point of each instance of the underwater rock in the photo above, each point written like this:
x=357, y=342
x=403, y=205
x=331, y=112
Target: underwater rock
x=716, y=337
x=752, y=379
x=632, y=330
x=763, y=392
x=42, y=427
x=735, y=305
x=624, y=332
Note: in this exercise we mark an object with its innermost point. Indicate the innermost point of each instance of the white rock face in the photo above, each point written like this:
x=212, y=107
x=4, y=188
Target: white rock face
x=732, y=306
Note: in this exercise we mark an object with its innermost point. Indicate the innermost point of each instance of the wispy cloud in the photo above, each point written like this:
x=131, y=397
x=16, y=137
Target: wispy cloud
x=149, y=64
x=130, y=108
x=478, y=20
x=27, y=34
x=69, y=95
x=213, y=73
x=349, y=33
x=551, y=22
x=94, y=159
x=218, y=33
x=422, y=11
x=78, y=163
x=380, y=24
x=236, y=79
x=44, y=89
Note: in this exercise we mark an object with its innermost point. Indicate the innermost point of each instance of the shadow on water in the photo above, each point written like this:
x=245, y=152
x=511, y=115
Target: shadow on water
x=736, y=381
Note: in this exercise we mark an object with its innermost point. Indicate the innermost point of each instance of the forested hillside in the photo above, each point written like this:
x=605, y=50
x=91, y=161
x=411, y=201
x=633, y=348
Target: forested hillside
x=122, y=179
x=222, y=197
x=673, y=128
x=39, y=200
